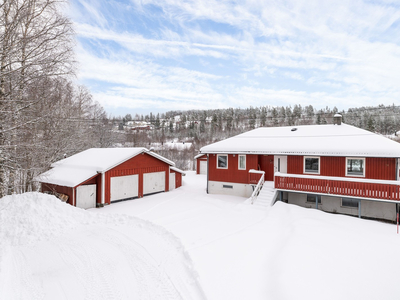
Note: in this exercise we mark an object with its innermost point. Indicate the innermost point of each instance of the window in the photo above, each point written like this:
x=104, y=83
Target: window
x=227, y=186
x=242, y=162
x=355, y=166
x=222, y=161
x=351, y=203
x=311, y=198
x=311, y=165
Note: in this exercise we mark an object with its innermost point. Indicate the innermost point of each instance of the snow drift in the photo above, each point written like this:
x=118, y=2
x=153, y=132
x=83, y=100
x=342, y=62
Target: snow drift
x=51, y=250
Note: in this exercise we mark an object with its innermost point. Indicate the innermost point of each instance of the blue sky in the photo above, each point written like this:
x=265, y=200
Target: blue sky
x=142, y=56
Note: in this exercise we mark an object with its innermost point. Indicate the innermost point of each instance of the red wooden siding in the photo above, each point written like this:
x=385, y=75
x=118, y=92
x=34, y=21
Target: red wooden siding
x=202, y=158
x=332, y=166
x=295, y=164
x=232, y=174
x=338, y=187
x=380, y=168
x=254, y=178
x=178, y=178
x=375, y=167
x=142, y=163
x=47, y=187
x=266, y=164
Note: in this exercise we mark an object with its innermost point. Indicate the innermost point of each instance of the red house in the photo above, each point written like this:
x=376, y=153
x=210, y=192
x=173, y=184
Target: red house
x=96, y=177
x=335, y=168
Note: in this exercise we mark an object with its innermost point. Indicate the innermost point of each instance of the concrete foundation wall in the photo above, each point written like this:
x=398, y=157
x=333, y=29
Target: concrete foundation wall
x=235, y=189
x=369, y=209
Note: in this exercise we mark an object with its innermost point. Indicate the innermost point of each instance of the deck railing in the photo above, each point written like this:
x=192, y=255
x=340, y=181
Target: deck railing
x=350, y=187
x=254, y=176
x=260, y=182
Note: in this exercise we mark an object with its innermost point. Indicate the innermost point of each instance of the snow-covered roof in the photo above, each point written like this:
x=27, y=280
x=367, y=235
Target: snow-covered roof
x=82, y=166
x=324, y=140
x=178, y=170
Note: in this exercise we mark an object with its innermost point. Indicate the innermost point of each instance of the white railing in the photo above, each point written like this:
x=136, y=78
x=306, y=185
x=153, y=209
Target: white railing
x=259, y=185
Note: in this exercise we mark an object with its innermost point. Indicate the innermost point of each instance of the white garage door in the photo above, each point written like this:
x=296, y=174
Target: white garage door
x=203, y=167
x=171, y=181
x=86, y=196
x=124, y=187
x=153, y=182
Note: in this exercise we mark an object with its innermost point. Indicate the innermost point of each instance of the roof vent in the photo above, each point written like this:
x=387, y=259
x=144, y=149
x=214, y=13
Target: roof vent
x=337, y=119
x=294, y=129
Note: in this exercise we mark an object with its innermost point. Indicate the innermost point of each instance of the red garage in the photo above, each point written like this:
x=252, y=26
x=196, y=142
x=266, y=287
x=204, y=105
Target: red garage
x=100, y=176
x=201, y=164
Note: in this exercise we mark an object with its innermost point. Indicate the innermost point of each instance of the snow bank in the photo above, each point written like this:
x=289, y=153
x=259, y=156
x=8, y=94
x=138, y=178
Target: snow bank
x=48, y=246
x=32, y=217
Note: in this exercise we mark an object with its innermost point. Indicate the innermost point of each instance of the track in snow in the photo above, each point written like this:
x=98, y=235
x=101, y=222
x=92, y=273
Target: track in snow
x=127, y=258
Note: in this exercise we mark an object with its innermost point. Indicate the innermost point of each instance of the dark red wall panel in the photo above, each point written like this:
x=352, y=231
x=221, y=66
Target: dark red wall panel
x=47, y=187
x=333, y=166
x=295, y=164
x=232, y=174
x=380, y=168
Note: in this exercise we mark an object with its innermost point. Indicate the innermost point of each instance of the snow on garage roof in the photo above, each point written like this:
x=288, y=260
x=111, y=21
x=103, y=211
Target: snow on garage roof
x=327, y=140
x=82, y=166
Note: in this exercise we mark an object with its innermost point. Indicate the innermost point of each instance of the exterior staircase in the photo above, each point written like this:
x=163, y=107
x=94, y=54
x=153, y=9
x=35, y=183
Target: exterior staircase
x=266, y=196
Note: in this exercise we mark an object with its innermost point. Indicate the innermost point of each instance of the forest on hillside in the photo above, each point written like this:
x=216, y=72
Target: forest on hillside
x=202, y=127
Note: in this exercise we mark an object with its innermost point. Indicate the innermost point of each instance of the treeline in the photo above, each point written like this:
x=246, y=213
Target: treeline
x=43, y=114
x=202, y=127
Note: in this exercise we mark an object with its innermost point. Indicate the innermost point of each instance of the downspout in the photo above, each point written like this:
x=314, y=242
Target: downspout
x=103, y=188
x=208, y=170
x=73, y=197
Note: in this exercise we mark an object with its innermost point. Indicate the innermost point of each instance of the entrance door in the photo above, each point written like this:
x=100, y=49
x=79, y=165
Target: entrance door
x=86, y=196
x=280, y=163
x=266, y=164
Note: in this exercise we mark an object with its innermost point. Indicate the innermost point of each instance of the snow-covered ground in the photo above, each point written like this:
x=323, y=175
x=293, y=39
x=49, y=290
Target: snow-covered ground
x=184, y=244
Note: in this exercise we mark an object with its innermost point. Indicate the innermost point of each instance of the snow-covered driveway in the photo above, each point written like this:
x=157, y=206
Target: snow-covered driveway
x=95, y=256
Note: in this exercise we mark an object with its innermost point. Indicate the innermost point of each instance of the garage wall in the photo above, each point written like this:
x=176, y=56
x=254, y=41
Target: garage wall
x=178, y=179
x=140, y=164
x=198, y=160
x=47, y=187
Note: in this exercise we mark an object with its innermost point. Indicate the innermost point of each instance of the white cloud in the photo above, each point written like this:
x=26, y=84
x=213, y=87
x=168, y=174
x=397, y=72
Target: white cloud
x=338, y=52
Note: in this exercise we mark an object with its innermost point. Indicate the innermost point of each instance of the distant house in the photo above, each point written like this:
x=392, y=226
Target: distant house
x=201, y=164
x=101, y=176
x=335, y=168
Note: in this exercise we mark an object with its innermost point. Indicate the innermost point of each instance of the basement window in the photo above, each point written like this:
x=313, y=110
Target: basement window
x=312, y=199
x=227, y=186
x=355, y=167
x=222, y=161
x=350, y=203
x=311, y=165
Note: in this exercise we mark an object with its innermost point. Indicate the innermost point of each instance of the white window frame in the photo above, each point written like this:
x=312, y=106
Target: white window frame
x=218, y=155
x=239, y=156
x=304, y=165
x=356, y=158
